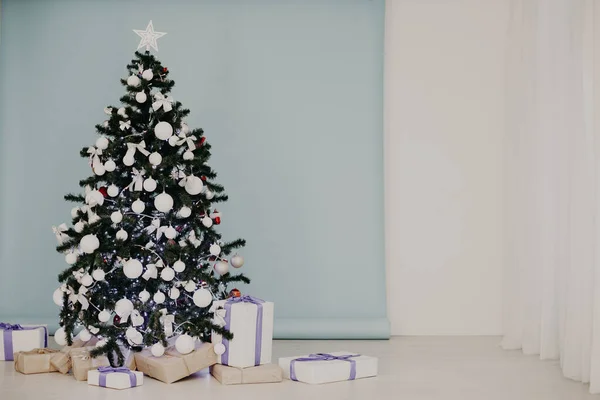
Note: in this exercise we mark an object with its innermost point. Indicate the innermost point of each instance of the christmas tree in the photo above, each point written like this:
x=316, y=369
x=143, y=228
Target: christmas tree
x=145, y=260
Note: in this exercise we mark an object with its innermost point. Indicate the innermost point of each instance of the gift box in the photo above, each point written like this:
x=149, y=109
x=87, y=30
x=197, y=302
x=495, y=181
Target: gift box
x=36, y=361
x=15, y=338
x=266, y=373
x=115, y=378
x=251, y=321
x=325, y=368
x=62, y=360
x=173, y=366
x=82, y=362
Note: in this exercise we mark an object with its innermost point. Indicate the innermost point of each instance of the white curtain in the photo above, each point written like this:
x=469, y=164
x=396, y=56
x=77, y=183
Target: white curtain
x=552, y=277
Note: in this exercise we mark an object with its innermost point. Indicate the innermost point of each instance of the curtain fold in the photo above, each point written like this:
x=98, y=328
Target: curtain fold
x=552, y=273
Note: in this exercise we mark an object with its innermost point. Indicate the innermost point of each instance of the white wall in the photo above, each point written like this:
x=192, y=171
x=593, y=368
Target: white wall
x=443, y=149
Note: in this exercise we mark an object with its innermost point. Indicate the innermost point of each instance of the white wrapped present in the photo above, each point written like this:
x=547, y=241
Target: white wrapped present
x=15, y=338
x=251, y=321
x=328, y=367
x=115, y=378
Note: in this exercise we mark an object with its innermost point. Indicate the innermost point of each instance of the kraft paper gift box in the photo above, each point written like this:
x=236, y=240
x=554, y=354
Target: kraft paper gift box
x=82, y=362
x=326, y=368
x=36, y=361
x=15, y=338
x=62, y=360
x=115, y=378
x=251, y=321
x=266, y=373
x=173, y=366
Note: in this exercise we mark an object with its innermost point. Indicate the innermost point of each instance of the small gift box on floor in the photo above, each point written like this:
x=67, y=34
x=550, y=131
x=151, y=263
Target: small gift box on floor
x=326, y=368
x=15, y=338
x=266, y=373
x=36, y=361
x=173, y=366
x=250, y=320
x=82, y=362
x=62, y=360
x=115, y=378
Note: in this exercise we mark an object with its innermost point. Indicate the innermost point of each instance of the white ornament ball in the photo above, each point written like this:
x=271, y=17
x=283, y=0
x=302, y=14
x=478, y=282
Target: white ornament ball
x=163, y=130
x=159, y=297
x=221, y=267
x=170, y=233
x=74, y=212
x=179, y=266
x=128, y=160
x=87, y=280
x=113, y=191
x=130, y=333
x=155, y=158
x=173, y=141
x=123, y=307
x=193, y=185
x=163, y=202
x=110, y=165
x=149, y=185
x=237, y=261
x=138, y=206
x=219, y=348
x=103, y=316
x=71, y=258
x=184, y=212
x=101, y=343
x=57, y=297
x=141, y=97
x=215, y=249
x=116, y=217
x=202, y=298
x=207, y=221
x=122, y=112
x=185, y=128
x=95, y=198
x=174, y=293
x=133, y=268
x=209, y=195
x=157, y=350
x=99, y=170
x=60, y=337
x=167, y=274
x=98, y=274
x=85, y=335
x=144, y=296
x=89, y=243
x=185, y=344
x=188, y=155
x=122, y=235
x=79, y=226
x=147, y=75
x=102, y=143
x=134, y=81
x=190, y=286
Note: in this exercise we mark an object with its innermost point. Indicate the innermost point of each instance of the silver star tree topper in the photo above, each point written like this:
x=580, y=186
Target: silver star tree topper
x=149, y=37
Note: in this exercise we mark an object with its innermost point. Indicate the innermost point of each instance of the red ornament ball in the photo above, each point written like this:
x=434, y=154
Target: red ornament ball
x=235, y=293
x=165, y=70
x=201, y=142
x=217, y=220
x=203, y=177
x=116, y=320
x=104, y=191
x=179, y=228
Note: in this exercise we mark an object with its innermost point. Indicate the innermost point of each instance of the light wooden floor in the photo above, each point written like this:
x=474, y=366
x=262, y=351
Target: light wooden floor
x=415, y=368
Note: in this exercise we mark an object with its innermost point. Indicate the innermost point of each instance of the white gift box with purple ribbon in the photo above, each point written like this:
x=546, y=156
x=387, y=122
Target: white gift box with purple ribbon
x=115, y=378
x=251, y=321
x=14, y=338
x=328, y=367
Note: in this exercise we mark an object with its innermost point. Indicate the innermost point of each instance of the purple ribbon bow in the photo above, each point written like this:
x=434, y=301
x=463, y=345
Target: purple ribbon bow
x=104, y=371
x=325, y=357
x=8, y=339
x=259, y=324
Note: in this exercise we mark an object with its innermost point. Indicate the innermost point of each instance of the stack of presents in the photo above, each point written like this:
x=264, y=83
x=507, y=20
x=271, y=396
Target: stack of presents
x=244, y=359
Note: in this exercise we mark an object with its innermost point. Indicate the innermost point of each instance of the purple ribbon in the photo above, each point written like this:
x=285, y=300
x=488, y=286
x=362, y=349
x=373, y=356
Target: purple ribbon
x=8, y=339
x=259, y=324
x=325, y=357
x=104, y=371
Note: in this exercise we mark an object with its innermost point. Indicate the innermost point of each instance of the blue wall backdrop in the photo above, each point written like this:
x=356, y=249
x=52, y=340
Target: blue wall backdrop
x=289, y=93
